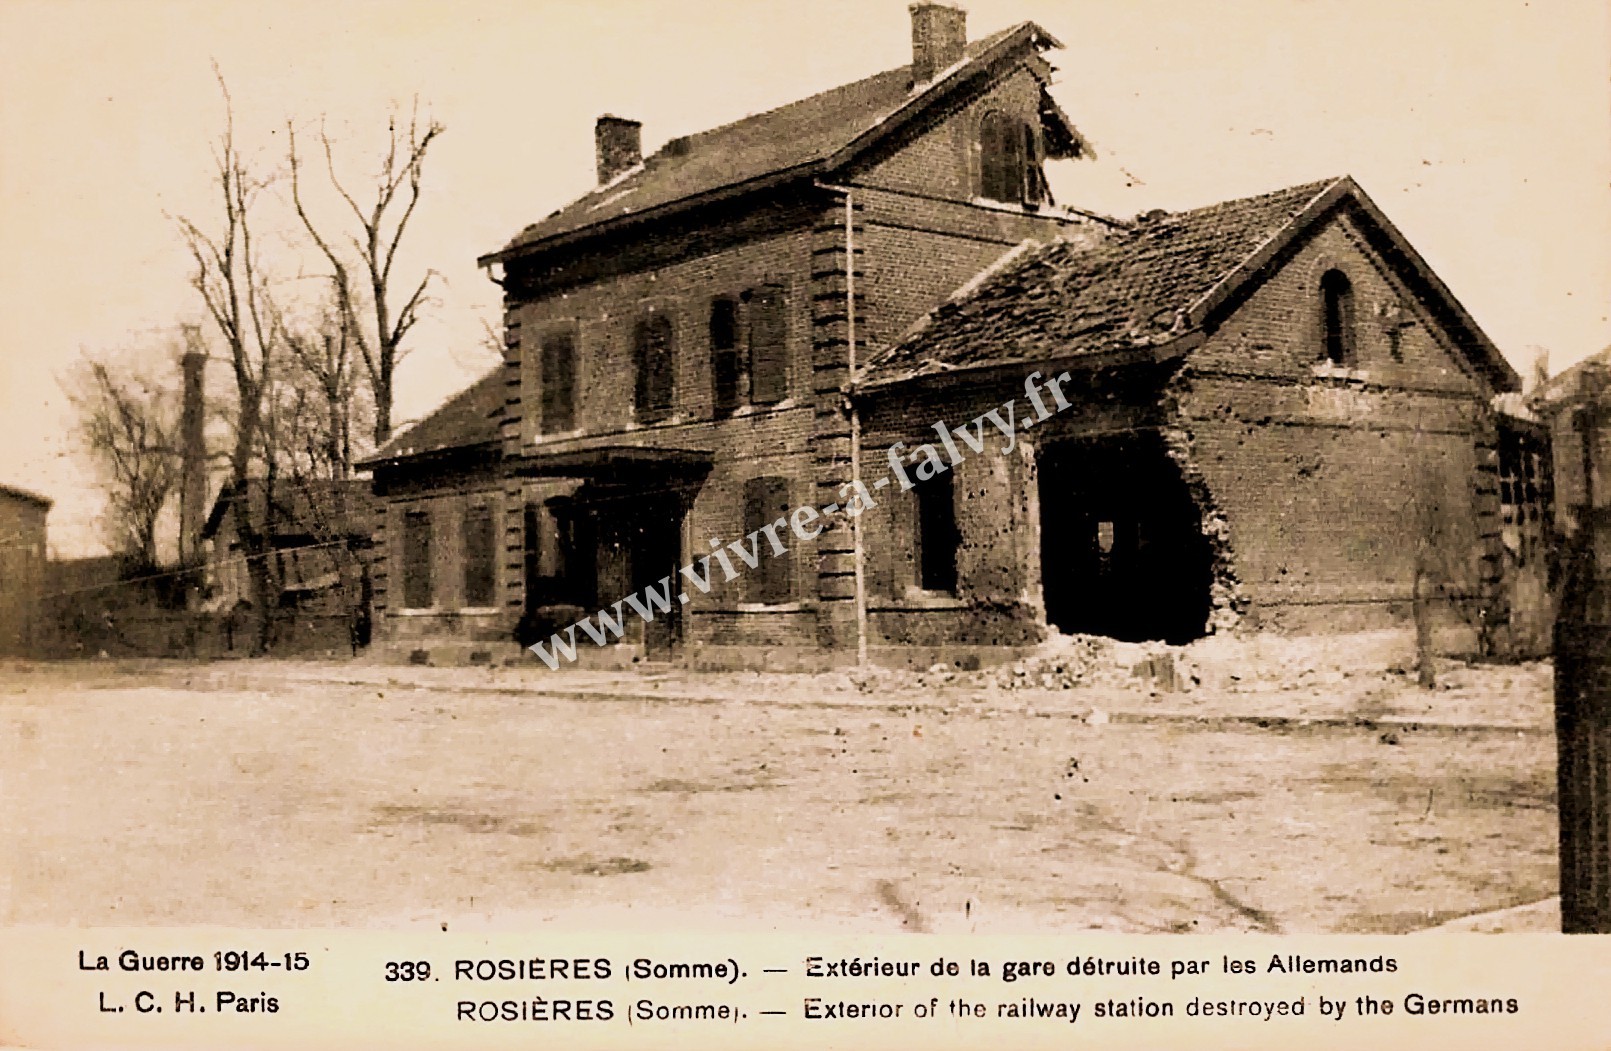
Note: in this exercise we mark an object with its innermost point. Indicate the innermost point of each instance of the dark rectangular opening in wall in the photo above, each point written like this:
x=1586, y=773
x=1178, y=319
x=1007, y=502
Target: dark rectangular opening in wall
x=937, y=536
x=417, y=590
x=1122, y=548
x=480, y=557
x=726, y=370
x=769, y=345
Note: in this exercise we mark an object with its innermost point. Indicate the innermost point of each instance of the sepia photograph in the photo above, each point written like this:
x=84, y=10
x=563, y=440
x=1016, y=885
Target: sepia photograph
x=1014, y=468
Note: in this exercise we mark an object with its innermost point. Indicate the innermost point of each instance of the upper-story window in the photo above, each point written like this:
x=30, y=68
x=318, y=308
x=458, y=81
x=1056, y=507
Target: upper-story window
x=769, y=345
x=559, y=382
x=1337, y=318
x=1009, y=161
x=652, y=354
x=726, y=362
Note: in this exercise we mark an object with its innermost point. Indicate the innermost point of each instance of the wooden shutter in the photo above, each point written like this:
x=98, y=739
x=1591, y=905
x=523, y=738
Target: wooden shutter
x=480, y=575
x=652, y=352
x=724, y=356
x=1035, y=189
x=417, y=560
x=559, y=382
x=1001, y=164
x=769, y=346
x=765, y=501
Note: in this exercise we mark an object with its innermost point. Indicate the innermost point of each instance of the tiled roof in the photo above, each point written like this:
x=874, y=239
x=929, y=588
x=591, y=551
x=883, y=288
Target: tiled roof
x=1131, y=289
x=801, y=133
x=471, y=417
x=24, y=494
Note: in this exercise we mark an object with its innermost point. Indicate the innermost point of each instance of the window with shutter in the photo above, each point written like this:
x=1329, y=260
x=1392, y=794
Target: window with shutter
x=1001, y=159
x=652, y=353
x=1036, y=191
x=417, y=560
x=769, y=346
x=726, y=370
x=766, y=500
x=937, y=535
x=480, y=559
x=559, y=382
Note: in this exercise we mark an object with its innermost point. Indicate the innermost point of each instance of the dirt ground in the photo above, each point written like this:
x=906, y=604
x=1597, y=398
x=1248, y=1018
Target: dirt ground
x=283, y=795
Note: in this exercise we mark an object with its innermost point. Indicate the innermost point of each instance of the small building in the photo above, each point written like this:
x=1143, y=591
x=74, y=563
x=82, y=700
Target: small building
x=316, y=535
x=22, y=570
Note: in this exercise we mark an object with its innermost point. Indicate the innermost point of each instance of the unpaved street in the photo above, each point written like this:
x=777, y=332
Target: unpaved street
x=173, y=797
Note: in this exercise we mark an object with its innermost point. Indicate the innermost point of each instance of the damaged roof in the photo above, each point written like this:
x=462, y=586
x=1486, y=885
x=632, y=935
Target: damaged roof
x=1146, y=286
x=472, y=417
x=816, y=134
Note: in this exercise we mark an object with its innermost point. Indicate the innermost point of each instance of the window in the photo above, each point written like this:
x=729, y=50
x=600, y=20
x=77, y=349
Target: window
x=559, y=383
x=480, y=576
x=417, y=560
x=1008, y=171
x=1337, y=306
x=769, y=345
x=765, y=501
x=937, y=536
x=652, y=355
x=726, y=368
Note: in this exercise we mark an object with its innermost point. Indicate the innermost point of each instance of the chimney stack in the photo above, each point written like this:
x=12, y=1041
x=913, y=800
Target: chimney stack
x=620, y=145
x=939, y=38
x=192, y=449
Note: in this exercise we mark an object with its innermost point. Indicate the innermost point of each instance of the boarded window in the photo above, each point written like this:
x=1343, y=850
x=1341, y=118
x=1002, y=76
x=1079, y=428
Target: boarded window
x=559, y=382
x=480, y=557
x=417, y=560
x=769, y=346
x=765, y=501
x=652, y=354
x=937, y=536
x=1001, y=158
x=1337, y=295
x=726, y=368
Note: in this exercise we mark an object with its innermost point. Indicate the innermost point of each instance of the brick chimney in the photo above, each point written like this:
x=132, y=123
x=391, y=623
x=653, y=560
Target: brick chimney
x=192, y=449
x=939, y=37
x=619, y=143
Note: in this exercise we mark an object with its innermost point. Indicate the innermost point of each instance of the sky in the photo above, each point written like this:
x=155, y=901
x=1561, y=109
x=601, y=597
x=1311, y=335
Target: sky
x=1481, y=127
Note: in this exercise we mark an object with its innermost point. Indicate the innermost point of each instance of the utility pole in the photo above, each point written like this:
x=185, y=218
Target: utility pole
x=1583, y=688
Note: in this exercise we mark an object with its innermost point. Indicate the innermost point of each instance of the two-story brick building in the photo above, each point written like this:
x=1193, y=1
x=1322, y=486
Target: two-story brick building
x=741, y=323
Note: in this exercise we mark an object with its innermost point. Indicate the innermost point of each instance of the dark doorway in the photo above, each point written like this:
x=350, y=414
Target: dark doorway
x=1122, y=549
x=655, y=553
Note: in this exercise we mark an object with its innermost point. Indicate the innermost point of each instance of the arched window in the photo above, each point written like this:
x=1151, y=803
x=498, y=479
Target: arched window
x=652, y=355
x=1337, y=317
x=1001, y=158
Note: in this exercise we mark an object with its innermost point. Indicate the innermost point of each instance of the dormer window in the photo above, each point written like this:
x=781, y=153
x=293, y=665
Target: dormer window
x=1337, y=318
x=1009, y=161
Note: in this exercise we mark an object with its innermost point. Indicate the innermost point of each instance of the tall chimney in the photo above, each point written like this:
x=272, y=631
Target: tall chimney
x=939, y=38
x=192, y=450
x=619, y=143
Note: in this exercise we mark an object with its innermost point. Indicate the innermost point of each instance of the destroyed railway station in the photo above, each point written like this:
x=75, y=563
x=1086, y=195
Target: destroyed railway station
x=1279, y=418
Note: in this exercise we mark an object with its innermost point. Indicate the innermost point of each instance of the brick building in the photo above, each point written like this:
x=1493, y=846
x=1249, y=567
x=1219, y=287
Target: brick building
x=1259, y=391
x=22, y=570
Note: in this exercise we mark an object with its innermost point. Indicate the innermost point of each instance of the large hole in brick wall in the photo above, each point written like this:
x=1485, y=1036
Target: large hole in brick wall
x=1122, y=548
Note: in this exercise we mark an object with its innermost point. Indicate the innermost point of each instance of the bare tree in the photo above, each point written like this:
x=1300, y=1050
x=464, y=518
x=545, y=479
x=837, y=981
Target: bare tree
x=233, y=284
x=363, y=272
x=128, y=426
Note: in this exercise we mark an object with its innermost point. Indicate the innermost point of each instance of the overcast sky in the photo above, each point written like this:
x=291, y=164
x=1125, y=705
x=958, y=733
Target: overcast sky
x=1482, y=128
